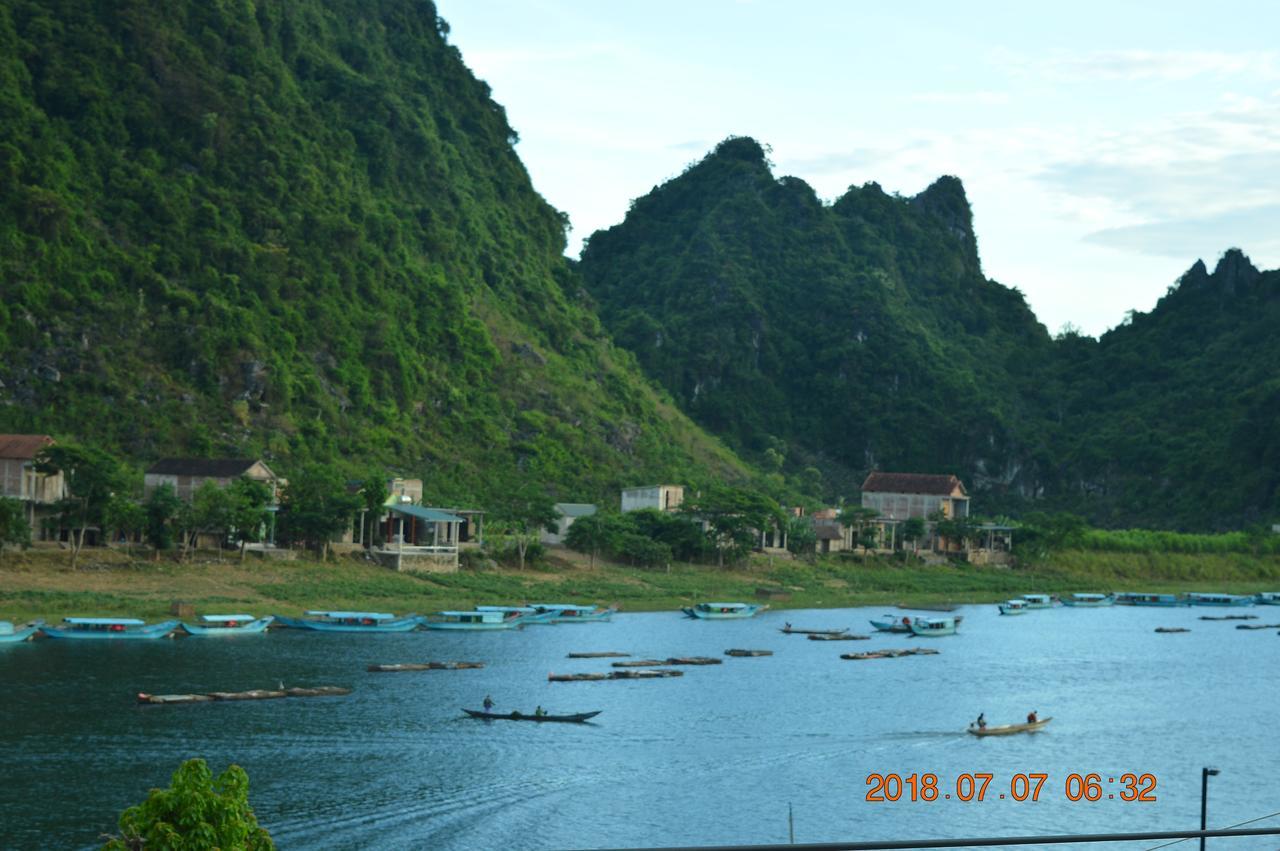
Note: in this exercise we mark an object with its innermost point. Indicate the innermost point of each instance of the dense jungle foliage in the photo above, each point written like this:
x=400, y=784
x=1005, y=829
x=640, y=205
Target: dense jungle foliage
x=863, y=334
x=300, y=230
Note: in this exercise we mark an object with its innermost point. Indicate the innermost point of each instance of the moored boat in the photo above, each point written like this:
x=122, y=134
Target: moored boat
x=528, y=614
x=472, y=620
x=723, y=611
x=10, y=634
x=1009, y=729
x=573, y=613
x=1088, y=600
x=790, y=630
x=892, y=623
x=577, y=718
x=338, y=621
x=1194, y=599
x=1038, y=601
x=218, y=625
x=1013, y=607
x=1133, y=598
x=935, y=626
x=109, y=628
x=1268, y=598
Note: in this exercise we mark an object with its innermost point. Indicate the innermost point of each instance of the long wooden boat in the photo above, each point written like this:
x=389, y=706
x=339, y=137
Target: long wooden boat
x=423, y=666
x=472, y=620
x=528, y=614
x=724, y=611
x=933, y=627
x=641, y=674
x=1268, y=598
x=1133, y=598
x=1009, y=729
x=1013, y=607
x=520, y=716
x=890, y=653
x=1038, y=601
x=1194, y=599
x=219, y=625
x=1088, y=600
x=341, y=621
x=741, y=652
x=10, y=634
x=844, y=636
x=114, y=629
x=573, y=613
x=790, y=630
x=253, y=694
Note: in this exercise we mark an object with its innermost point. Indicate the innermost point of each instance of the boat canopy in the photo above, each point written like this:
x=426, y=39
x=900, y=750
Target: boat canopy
x=370, y=616
x=225, y=618
x=6, y=628
x=105, y=621
x=1089, y=596
x=1036, y=598
x=723, y=605
x=565, y=607
x=526, y=609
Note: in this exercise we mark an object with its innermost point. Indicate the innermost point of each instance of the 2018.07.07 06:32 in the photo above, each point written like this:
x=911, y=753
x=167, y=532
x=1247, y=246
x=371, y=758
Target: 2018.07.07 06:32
x=1091, y=787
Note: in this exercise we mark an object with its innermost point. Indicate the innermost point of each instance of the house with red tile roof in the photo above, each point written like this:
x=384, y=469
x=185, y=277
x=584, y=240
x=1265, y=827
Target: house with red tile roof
x=20, y=480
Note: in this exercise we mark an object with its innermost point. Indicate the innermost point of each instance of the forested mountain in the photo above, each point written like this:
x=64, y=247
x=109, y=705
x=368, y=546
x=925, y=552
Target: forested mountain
x=300, y=229
x=863, y=334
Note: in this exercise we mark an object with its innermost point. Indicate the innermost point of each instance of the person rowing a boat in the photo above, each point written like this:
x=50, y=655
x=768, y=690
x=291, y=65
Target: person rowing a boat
x=981, y=723
x=540, y=712
x=488, y=703
x=1031, y=717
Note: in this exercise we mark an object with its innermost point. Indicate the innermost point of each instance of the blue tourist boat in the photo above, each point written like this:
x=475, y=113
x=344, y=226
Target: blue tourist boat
x=217, y=625
x=1013, y=607
x=1038, y=601
x=573, y=613
x=10, y=634
x=109, y=629
x=1268, y=598
x=1131, y=598
x=934, y=626
x=331, y=621
x=1088, y=600
x=528, y=614
x=723, y=611
x=1194, y=599
x=892, y=623
x=472, y=620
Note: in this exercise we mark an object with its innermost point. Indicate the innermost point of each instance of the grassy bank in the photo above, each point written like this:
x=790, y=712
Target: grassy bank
x=41, y=583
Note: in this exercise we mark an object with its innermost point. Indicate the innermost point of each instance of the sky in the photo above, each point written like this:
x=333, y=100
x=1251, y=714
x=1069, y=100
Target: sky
x=1104, y=146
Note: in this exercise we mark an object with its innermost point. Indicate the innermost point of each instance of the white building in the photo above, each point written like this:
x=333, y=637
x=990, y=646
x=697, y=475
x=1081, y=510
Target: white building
x=660, y=497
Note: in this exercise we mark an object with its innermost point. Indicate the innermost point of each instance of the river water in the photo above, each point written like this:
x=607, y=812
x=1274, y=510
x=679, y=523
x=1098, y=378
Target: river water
x=711, y=758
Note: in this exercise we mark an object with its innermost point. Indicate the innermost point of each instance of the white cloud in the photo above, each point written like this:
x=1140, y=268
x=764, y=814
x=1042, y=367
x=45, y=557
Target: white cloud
x=1136, y=64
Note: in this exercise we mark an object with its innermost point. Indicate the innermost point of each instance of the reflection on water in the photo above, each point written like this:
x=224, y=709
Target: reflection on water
x=713, y=757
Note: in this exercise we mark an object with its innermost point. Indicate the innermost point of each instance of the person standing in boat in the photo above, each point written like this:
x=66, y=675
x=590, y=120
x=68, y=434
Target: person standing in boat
x=1031, y=717
x=982, y=721
x=488, y=703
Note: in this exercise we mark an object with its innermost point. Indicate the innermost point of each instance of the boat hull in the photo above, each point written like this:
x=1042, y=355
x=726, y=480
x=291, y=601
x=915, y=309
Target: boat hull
x=253, y=627
x=133, y=633
x=1009, y=729
x=1088, y=604
x=475, y=627
x=1223, y=601
x=1165, y=601
x=1012, y=610
x=580, y=718
x=891, y=626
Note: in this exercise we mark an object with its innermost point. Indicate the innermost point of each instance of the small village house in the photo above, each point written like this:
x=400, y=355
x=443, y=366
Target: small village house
x=187, y=475
x=660, y=497
x=566, y=514
x=38, y=492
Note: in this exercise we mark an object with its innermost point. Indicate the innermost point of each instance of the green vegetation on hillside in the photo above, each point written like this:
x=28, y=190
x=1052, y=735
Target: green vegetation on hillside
x=298, y=230
x=863, y=335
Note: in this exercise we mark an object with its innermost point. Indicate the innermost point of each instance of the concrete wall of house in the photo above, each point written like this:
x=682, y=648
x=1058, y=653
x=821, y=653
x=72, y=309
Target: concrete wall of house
x=19, y=480
x=661, y=497
x=903, y=506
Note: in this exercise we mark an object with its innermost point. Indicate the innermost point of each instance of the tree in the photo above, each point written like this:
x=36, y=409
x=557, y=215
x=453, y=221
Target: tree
x=126, y=516
x=14, y=528
x=92, y=477
x=248, y=507
x=161, y=509
x=914, y=530
x=860, y=519
x=211, y=513
x=317, y=506
x=195, y=813
x=734, y=517
x=590, y=534
x=802, y=538
x=522, y=512
x=373, y=494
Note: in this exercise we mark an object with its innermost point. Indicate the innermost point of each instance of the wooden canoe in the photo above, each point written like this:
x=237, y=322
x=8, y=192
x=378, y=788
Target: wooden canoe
x=520, y=716
x=424, y=666
x=844, y=636
x=739, y=652
x=789, y=630
x=1009, y=729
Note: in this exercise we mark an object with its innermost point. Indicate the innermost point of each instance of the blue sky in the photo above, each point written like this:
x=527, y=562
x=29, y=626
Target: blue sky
x=1104, y=146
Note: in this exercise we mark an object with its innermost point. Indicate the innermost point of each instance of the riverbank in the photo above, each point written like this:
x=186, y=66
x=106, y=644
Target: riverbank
x=40, y=583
